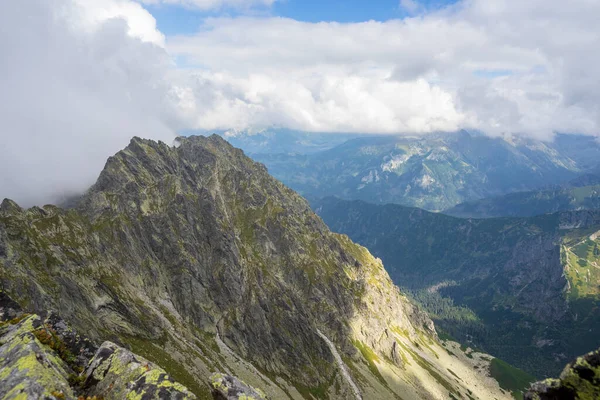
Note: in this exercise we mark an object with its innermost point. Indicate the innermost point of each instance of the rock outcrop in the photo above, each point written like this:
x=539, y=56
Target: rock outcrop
x=227, y=387
x=117, y=373
x=28, y=367
x=43, y=358
x=579, y=380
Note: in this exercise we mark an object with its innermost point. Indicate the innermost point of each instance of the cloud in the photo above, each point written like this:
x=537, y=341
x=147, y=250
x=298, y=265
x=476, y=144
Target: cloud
x=213, y=4
x=330, y=103
x=410, y=5
x=78, y=78
x=77, y=81
x=497, y=65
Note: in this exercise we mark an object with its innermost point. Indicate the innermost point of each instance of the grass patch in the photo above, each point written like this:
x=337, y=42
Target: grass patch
x=510, y=378
x=371, y=358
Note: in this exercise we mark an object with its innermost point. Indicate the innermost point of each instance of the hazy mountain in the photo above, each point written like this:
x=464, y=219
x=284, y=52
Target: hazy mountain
x=195, y=258
x=433, y=172
x=281, y=141
x=524, y=289
x=583, y=193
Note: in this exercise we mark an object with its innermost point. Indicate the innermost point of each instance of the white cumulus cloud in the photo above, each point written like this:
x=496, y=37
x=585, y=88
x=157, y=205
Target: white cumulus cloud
x=502, y=66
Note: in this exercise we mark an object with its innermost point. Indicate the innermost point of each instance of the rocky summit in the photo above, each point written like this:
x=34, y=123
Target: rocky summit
x=192, y=259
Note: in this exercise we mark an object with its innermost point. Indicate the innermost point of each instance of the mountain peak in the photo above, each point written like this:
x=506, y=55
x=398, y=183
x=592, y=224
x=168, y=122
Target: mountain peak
x=178, y=246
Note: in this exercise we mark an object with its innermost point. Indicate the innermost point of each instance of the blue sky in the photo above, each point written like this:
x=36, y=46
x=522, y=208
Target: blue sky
x=174, y=19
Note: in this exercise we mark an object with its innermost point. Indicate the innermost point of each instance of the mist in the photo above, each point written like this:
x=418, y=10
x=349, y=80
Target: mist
x=72, y=93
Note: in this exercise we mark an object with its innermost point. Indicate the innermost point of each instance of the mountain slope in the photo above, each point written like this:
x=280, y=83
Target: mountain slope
x=197, y=259
x=582, y=193
x=523, y=289
x=433, y=172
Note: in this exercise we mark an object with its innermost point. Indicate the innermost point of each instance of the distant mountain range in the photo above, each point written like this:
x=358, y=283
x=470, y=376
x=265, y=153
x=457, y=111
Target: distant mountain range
x=524, y=289
x=433, y=172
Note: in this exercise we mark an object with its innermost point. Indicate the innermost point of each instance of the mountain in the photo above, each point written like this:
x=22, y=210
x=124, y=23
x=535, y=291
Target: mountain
x=583, y=193
x=524, y=289
x=195, y=258
x=582, y=148
x=433, y=172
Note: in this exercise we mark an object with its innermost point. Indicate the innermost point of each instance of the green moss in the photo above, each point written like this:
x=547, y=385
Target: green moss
x=18, y=319
x=47, y=336
x=315, y=392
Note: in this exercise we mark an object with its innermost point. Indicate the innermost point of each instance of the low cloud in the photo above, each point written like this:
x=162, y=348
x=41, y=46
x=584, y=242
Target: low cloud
x=77, y=81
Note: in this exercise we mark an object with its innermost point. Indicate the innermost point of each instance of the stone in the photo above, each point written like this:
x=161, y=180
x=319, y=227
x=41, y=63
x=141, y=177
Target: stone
x=227, y=387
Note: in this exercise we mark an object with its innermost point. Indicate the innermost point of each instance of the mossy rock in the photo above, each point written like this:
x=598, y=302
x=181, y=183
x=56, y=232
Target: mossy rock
x=227, y=387
x=579, y=380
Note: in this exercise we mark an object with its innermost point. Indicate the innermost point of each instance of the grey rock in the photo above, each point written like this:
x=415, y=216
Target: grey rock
x=117, y=373
x=28, y=369
x=227, y=387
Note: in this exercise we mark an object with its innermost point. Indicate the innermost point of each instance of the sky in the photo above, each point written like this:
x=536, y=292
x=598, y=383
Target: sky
x=79, y=78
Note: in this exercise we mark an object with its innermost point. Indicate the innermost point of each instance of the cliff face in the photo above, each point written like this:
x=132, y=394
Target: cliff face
x=194, y=257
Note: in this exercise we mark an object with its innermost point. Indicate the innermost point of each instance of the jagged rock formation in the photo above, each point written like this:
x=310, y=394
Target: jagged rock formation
x=28, y=367
x=195, y=258
x=579, y=380
x=45, y=358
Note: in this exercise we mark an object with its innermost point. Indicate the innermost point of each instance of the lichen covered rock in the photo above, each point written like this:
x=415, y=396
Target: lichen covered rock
x=28, y=368
x=44, y=358
x=579, y=380
x=117, y=373
x=227, y=387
